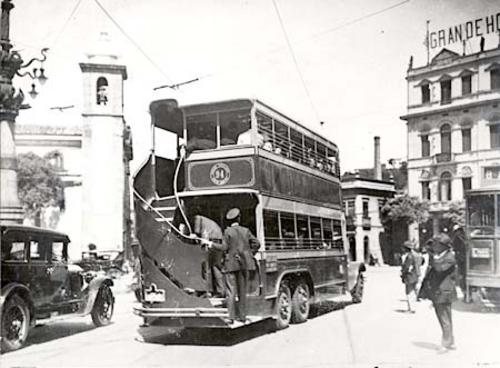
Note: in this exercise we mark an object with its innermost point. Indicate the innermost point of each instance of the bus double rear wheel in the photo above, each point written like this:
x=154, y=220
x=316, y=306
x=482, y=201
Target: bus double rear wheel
x=283, y=307
x=300, y=303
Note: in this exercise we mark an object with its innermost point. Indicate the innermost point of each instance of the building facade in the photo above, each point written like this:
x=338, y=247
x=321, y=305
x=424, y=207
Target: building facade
x=453, y=127
x=363, y=200
x=91, y=152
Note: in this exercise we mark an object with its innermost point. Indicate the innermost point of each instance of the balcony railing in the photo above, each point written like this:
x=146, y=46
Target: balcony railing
x=350, y=223
x=443, y=157
x=366, y=223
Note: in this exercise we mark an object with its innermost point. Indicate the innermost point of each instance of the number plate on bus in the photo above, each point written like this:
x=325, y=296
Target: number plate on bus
x=154, y=295
x=480, y=253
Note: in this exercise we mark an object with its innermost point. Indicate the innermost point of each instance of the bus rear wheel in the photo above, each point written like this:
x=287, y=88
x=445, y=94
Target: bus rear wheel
x=283, y=309
x=300, y=303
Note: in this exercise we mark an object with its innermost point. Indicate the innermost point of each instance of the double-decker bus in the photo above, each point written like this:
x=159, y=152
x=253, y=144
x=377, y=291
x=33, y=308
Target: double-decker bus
x=483, y=245
x=284, y=178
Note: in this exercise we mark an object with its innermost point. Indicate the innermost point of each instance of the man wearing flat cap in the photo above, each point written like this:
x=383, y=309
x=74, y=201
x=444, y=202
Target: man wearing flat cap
x=238, y=244
x=439, y=286
x=410, y=273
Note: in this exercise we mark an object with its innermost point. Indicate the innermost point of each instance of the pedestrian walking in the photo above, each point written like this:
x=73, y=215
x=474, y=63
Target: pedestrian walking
x=410, y=273
x=439, y=286
x=239, y=245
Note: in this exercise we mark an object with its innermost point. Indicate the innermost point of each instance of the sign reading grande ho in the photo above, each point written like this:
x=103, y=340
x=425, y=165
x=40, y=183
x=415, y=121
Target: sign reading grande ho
x=462, y=32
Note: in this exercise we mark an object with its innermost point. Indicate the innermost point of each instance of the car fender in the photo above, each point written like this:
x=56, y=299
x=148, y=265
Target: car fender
x=22, y=290
x=92, y=290
x=353, y=270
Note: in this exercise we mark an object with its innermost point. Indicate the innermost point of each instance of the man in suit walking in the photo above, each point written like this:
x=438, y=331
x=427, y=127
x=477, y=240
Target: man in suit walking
x=439, y=286
x=410, y=273
x=239, y=245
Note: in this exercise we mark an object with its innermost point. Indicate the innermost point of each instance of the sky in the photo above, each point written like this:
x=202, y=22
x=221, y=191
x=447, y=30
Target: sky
x=342, y=62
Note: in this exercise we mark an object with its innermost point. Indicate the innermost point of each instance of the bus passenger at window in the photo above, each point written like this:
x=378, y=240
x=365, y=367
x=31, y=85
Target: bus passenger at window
x=201, y=139
x=266, y=144
x=229, y=136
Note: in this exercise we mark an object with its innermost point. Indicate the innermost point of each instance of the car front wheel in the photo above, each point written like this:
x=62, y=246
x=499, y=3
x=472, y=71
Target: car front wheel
x=103, y=307
x=15, y=323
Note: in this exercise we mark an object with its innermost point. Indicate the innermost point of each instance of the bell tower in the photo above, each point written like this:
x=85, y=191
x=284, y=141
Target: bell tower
x=105, y=162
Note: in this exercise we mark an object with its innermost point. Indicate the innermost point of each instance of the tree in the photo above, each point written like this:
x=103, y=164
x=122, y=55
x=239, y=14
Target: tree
x=406, y=209
x=39, y=185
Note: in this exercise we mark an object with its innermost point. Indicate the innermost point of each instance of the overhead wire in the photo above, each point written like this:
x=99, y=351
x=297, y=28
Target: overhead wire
x=295, y=61
x=66, y=23
x=319, y=34
x=122, y=30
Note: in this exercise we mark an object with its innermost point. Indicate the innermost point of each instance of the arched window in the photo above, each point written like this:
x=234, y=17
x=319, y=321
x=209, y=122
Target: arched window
x=445, y=187
x=445, y=138
x=102, y=91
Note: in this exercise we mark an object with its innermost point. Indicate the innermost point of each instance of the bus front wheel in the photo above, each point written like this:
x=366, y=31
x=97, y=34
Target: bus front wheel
x=300, y=303
x=283, y=308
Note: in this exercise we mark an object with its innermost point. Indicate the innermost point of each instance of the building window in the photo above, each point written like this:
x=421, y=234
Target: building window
x=426, y=190
x=446, y=91
x=466, y=184
x=446, y=138
x=102, y=91
x=426, y=93
x=466, y=143
x=466, y=85
x=445, y=187
x=365, y=208
x=426, y=145
x=495, y=136
x=495, y=78
x=350, y=208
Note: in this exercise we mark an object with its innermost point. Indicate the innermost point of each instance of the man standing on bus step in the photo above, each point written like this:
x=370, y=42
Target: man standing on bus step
x=239, y=245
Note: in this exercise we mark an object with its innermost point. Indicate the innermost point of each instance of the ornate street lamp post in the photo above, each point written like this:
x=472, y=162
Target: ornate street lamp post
x=11, y=101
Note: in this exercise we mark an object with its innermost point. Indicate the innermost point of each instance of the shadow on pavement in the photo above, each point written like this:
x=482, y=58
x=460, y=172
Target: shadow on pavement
x=228, y=337
x=319, y=309
x=211, y=336
x=426, y=345
x=45, y=333
x=474, y=307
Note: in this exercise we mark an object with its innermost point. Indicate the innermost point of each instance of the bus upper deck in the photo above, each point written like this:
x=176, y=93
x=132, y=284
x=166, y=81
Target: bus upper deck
x=228, y=124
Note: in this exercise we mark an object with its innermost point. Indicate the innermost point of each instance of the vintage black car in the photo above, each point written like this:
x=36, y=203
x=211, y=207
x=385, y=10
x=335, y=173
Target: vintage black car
x=39, y=283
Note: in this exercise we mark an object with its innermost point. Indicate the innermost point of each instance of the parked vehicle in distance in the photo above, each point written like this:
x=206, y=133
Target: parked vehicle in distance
x=40, y=284
x=483, y=246
x=108, y=263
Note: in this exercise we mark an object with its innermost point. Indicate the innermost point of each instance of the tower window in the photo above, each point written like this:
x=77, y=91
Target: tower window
x=495, y=136
x=446, y=138
x=102, y=91
x=446, y=91
x=466, y=141
x=445, y=187
x=426, y=190
x=426, y=93
x=495, y=78
x=426, y=146
x=466, y=85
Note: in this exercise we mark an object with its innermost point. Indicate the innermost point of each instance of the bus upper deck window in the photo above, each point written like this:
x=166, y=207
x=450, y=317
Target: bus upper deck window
x=235, y=128
x=201, y=132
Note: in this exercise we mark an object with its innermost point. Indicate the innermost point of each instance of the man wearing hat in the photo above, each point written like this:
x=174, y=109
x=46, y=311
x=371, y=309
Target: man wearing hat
x=410, y=273
x=439, y=286
x=238, y=244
